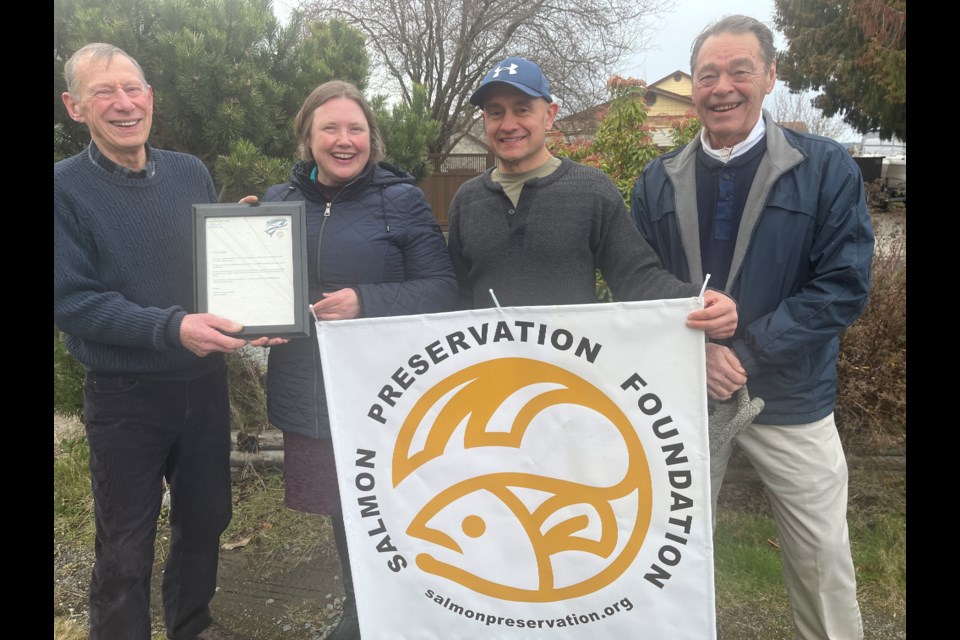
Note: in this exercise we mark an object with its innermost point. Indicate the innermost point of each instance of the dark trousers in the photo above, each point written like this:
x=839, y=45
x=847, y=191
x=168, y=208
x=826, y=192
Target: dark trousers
x=141, y=431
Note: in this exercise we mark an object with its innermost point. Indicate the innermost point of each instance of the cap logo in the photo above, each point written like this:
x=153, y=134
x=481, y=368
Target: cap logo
x=512, y=69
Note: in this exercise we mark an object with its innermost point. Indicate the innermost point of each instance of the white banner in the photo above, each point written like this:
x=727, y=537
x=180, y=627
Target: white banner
x=525, y=472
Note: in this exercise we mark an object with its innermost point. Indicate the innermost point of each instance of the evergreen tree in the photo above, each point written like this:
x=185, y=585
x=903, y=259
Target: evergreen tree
x=408, y=131
x=855, y=53
x=227, y=77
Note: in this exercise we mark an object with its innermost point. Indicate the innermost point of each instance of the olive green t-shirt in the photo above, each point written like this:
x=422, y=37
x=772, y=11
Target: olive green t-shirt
x=512, y=183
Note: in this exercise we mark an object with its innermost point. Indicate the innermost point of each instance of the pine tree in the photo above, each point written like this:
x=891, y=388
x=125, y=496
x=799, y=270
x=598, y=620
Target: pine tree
x=855, y=53
x=227, y=77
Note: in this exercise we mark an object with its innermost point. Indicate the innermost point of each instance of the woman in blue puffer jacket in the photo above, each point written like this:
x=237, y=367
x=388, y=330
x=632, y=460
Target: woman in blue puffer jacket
x=374, y=249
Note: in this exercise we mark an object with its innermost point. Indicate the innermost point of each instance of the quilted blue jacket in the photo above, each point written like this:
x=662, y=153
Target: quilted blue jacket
x=801, y=267
x=379, y=237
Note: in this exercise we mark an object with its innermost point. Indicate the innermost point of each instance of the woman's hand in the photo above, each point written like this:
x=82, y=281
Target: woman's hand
x=338, y=305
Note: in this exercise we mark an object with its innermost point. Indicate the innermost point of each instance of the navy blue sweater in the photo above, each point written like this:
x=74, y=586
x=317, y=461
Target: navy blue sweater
x=123, y=263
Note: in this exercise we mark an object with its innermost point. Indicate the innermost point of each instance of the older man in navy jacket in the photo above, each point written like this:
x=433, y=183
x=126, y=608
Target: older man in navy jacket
x=779, y=220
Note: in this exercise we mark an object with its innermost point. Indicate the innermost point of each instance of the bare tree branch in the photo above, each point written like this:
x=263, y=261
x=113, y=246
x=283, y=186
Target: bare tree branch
x=790, y=107
x=448, y=45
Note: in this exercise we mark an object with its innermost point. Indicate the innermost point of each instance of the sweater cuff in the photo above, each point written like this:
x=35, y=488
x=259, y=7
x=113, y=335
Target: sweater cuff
x=173, y=328
x=359, y=302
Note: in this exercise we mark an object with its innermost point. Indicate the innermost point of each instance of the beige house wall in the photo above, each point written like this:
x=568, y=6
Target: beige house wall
x=679, y=84
x=683, y=86
x=665, y=106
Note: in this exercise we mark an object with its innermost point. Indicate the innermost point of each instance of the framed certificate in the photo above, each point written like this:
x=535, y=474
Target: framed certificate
x=250, y=265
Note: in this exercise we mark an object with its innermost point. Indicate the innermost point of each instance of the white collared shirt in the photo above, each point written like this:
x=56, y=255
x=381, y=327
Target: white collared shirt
x=725, y=154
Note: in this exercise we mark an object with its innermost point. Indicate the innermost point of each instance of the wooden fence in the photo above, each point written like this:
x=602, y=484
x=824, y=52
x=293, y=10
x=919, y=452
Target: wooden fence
x=449, y=172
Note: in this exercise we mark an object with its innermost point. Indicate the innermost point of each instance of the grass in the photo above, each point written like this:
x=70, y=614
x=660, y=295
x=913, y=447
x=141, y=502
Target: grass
x=747, y=555
x=72, y=524
x=878, y=537
x=72, y=497
x=262, y=523
x=65, y=629
x=747, y=565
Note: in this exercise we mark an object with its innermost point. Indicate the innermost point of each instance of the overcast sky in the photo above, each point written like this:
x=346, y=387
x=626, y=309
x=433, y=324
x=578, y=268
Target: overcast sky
x=670, y=44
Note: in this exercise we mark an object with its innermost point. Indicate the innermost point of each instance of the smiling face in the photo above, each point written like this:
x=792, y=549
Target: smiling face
x=339, y=141
x=730, y=82
x=517, y=126
x=117, y=105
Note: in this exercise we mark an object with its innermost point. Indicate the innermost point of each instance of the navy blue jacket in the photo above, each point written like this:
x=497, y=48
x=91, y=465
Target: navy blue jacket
x=381, y=239
x=801, y=264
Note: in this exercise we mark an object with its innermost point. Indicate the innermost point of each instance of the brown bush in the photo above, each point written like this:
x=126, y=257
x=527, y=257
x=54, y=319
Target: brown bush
x=876, y=193
x=872, y=368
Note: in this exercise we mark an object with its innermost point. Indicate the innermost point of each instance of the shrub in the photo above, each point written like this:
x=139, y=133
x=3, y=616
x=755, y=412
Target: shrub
x=876, y=194
x=248, y=396
x=67, y=379
x=872, y=368
x=623, y=143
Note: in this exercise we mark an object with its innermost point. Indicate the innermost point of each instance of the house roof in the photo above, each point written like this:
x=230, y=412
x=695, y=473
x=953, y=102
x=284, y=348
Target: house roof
x=673, y=78
x=585, y=122
x=475, y=136
x=676, y=76
x=669, y=94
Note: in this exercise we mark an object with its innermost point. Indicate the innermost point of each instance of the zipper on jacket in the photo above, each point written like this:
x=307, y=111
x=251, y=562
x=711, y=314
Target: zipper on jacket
x=326, y=216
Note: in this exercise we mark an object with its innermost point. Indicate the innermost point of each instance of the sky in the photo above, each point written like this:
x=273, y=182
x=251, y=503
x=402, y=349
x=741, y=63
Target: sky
x=669, y=46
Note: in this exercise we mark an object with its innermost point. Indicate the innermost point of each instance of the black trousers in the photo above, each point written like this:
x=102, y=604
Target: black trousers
x=140, y=431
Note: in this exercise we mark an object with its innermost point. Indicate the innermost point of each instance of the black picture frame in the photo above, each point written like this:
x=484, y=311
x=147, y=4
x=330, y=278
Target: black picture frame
x=250, y=265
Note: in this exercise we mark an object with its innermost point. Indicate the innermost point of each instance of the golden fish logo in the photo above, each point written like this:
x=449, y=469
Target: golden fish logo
x=568, y=508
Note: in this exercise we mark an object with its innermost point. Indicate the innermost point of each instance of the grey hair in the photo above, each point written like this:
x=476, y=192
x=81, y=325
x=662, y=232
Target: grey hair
x=737, y=24
x=95, y=52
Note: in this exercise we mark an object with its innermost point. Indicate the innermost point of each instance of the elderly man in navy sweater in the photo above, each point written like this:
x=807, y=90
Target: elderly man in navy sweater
x=155, y=394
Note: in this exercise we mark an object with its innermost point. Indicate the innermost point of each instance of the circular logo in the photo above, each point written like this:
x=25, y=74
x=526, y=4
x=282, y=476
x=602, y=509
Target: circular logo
x=533, y=485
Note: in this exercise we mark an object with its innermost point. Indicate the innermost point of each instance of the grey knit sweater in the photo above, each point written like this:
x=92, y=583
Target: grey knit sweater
x=123, y=263
x=547, y=249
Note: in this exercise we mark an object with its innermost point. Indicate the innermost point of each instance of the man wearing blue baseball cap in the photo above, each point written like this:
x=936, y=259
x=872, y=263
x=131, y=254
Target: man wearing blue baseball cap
x=535, y=228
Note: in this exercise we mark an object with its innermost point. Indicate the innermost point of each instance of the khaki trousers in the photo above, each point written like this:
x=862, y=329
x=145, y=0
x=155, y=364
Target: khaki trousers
x=805, y=474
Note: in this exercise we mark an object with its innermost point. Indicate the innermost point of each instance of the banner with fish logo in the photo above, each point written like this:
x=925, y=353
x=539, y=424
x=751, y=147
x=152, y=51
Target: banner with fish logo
x=525, y=472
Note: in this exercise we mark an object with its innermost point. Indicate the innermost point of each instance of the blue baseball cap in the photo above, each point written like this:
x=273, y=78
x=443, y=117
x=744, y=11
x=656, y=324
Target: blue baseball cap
x=518, y=73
